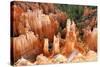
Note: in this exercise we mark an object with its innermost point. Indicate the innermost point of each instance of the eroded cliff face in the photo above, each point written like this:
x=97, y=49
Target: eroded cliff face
x=43, y=34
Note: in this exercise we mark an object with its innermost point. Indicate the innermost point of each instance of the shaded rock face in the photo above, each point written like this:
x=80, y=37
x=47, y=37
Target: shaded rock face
x=90, y=38
x=26, y=46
